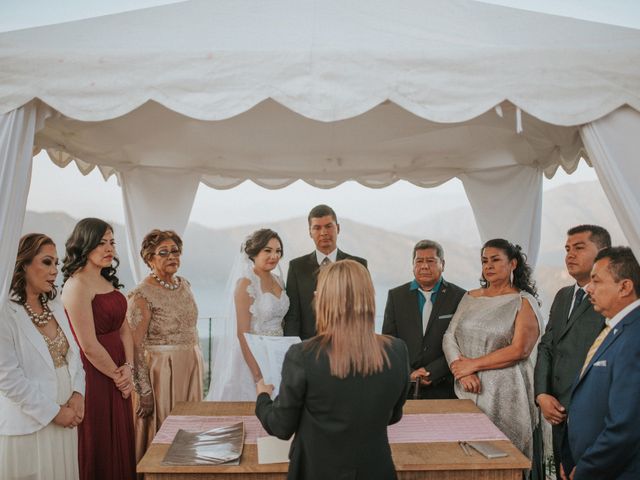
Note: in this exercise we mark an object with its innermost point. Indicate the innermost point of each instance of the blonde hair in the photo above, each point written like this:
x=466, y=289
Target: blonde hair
x=345, y=313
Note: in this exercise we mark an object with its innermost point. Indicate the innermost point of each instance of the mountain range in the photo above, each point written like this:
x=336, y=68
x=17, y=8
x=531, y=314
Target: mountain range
x=209, y=253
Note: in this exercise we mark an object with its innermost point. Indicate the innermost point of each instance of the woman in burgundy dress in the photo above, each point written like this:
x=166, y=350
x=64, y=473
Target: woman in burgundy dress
x=96, y=310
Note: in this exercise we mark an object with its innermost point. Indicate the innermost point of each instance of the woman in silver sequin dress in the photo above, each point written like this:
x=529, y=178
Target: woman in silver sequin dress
x=492, y=340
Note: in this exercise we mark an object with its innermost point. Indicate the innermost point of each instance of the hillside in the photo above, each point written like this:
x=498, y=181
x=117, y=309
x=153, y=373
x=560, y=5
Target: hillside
x=209, y=253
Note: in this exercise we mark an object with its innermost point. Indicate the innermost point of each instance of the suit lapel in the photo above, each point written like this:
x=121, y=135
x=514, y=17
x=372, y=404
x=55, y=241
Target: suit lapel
x=611, y=338
x=30, y=332
x=606, y=343
x=312, y=262
x=579, y=310
x=413, y=311
x=341, y=255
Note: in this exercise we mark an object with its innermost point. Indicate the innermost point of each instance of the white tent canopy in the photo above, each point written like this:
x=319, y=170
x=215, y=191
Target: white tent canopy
x=324, y=91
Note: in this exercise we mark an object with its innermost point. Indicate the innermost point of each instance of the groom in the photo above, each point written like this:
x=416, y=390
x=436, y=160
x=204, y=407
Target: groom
x=300, y=320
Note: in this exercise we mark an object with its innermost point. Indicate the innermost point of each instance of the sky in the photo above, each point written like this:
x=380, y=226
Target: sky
x=17, y=14
x=249, y=203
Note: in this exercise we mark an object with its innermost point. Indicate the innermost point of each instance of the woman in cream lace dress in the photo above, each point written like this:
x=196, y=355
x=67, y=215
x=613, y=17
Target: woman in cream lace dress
x=163, y=315
x=42, y=382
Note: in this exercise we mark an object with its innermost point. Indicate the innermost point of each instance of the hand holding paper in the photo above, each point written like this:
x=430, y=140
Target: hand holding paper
x=269, y=352
x=262, y=387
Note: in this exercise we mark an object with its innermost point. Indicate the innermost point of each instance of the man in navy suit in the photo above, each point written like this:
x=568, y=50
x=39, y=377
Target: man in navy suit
x=602, y=438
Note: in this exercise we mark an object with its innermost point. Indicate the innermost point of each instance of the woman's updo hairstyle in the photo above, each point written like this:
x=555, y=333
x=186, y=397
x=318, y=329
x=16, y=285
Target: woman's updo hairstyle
x=522, y=273
x=258, y=240
x=154, y=238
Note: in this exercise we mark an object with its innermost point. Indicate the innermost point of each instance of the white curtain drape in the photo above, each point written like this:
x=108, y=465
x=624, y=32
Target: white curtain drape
x=507, y=203
x=155, y=198
x=17, y=130
x=613, y=144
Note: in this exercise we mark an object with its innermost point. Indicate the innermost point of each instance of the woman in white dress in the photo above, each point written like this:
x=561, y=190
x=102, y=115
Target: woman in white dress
x=41, y=376
x=259, y=305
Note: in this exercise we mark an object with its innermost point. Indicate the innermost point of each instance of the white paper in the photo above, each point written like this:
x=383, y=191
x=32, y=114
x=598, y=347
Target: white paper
x=273, y=450
x=269, y=352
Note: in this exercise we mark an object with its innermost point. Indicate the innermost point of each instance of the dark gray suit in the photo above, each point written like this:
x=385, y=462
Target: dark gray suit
x=402, y=319
x=302, y=278
x=562, y=351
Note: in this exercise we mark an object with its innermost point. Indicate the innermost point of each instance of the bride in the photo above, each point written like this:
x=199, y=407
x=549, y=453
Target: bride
x=259, y=305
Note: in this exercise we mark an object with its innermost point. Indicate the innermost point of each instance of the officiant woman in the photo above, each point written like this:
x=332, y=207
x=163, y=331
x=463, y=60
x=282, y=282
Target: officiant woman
x=341, y=388
x=163, y=314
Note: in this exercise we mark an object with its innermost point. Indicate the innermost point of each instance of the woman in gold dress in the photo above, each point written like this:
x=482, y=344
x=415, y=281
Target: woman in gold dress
x=163, y=314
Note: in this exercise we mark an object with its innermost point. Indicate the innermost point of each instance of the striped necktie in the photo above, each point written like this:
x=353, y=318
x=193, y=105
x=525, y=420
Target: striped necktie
x=594, y=347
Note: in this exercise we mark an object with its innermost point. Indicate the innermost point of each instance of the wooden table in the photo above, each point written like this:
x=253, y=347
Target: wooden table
x=413, y=461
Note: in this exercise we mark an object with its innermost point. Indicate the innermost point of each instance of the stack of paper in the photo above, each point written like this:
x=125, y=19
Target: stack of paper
x=269, y=352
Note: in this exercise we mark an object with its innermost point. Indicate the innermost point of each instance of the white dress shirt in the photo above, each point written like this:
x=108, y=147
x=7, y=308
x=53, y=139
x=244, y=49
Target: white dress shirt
x=321, y=256
x=612, y=322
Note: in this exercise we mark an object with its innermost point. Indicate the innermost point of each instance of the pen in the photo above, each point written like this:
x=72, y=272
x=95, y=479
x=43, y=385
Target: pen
x=465, y=449
x=416, y=391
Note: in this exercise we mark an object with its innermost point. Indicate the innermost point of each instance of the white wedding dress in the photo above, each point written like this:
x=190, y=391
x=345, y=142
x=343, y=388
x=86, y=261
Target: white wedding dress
x=231, y=379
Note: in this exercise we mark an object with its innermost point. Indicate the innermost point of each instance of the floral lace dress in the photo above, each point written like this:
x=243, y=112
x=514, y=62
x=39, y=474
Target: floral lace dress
x=171, y=365
x=232, y=379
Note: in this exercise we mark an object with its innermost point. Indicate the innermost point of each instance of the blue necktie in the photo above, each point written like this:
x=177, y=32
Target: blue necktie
x=579, y=296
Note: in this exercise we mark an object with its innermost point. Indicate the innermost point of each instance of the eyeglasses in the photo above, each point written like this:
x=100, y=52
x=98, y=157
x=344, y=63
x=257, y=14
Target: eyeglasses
x=165, y=253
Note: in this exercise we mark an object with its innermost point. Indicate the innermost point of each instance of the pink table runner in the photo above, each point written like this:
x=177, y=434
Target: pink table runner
x=416, y=428
x=444, y=427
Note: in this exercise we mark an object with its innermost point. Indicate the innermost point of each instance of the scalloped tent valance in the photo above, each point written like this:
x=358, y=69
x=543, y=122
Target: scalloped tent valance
x=273, y=146
x=325, y=91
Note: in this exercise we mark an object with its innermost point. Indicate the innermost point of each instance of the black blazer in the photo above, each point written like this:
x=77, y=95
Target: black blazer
x=564, y=345
x=340, y=424
x=402, y=319
x=302, y=279
x=561, y=353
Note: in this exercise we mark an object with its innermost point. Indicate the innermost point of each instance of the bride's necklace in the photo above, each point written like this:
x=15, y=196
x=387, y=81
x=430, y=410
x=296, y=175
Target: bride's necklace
x=39, y=319
x=167, y=285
